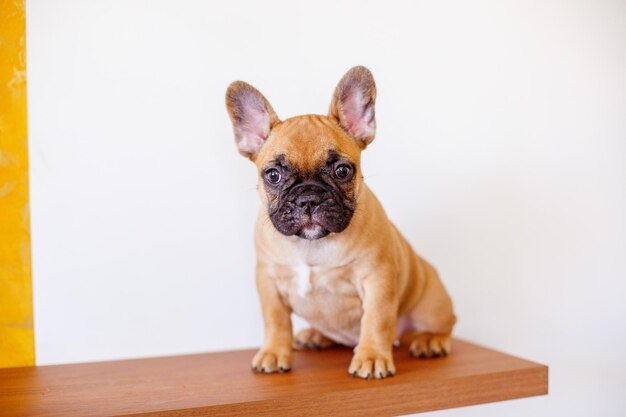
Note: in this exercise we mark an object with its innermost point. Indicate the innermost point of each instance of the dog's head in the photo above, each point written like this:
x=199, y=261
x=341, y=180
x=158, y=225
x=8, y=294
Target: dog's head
x=309, y=166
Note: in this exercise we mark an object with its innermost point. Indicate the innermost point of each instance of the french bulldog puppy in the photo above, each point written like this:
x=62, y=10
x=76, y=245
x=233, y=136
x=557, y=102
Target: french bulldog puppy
x=325, y=248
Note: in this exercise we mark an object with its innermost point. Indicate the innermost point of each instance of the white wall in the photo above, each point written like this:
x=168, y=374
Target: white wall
x=501, y=154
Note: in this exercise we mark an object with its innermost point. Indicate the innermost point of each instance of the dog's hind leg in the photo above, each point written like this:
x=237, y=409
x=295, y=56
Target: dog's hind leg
x=311, y=338
x=428, y=345
x=432, y=319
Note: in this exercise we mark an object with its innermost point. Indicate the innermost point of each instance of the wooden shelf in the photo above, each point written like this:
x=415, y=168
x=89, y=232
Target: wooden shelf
x=222, y=384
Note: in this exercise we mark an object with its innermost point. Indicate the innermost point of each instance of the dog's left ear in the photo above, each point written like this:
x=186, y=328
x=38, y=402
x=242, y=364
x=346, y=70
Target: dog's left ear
x=252, y=116
x=352, y=105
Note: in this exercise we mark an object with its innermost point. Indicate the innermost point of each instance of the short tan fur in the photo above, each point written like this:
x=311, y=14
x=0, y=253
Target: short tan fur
x=363, y=286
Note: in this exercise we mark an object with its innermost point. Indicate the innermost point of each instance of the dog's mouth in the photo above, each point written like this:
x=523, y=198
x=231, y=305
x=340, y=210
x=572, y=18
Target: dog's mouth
x=310, y=211
x=311, y=224
x=312, y=230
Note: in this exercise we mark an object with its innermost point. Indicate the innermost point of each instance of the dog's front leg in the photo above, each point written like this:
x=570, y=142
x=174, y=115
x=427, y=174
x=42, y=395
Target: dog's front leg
x=373, y=356
x=276, y=353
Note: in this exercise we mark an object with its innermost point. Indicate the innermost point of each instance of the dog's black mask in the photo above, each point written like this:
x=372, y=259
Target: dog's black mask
x=314, y=204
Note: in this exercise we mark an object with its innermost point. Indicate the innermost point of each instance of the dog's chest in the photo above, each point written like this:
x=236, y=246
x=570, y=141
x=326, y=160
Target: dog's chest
x=325, y=297
x=305, y=281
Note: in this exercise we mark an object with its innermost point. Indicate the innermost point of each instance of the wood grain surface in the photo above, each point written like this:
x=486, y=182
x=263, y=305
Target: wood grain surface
x=222, y=384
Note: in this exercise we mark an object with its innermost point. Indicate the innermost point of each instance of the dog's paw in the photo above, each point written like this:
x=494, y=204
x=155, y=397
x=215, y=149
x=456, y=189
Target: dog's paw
x=268, y=360
x=430, y=346
x=311, y=339
x=372, y=364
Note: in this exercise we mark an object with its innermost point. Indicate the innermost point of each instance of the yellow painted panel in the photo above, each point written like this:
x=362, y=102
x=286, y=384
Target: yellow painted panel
x=16, y=306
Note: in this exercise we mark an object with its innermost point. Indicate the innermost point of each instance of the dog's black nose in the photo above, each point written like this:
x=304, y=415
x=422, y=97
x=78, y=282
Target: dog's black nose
x=309, y=199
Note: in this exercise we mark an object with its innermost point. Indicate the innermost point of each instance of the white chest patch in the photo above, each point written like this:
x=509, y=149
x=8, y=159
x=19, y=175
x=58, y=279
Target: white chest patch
x=303, y=279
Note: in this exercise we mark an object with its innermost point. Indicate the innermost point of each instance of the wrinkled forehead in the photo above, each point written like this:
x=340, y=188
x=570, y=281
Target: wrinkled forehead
x=305, y=143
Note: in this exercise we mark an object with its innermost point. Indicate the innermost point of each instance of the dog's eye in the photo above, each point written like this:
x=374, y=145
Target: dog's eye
x=343, y=171
x=272, y=176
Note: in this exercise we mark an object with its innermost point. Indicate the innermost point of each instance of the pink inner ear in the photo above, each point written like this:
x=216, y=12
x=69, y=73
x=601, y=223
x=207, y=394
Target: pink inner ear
x=253, y=126
x=358, y=114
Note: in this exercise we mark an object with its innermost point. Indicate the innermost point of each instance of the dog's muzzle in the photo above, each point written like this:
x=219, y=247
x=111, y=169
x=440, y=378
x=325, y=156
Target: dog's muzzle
x=311, y=210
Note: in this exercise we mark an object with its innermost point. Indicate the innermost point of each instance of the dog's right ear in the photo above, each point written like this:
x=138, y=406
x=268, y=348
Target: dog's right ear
x=252, y=116
x=352, y=105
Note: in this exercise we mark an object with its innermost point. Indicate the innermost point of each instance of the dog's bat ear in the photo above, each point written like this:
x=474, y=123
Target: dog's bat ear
x=352, y=105
x=252, y=116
